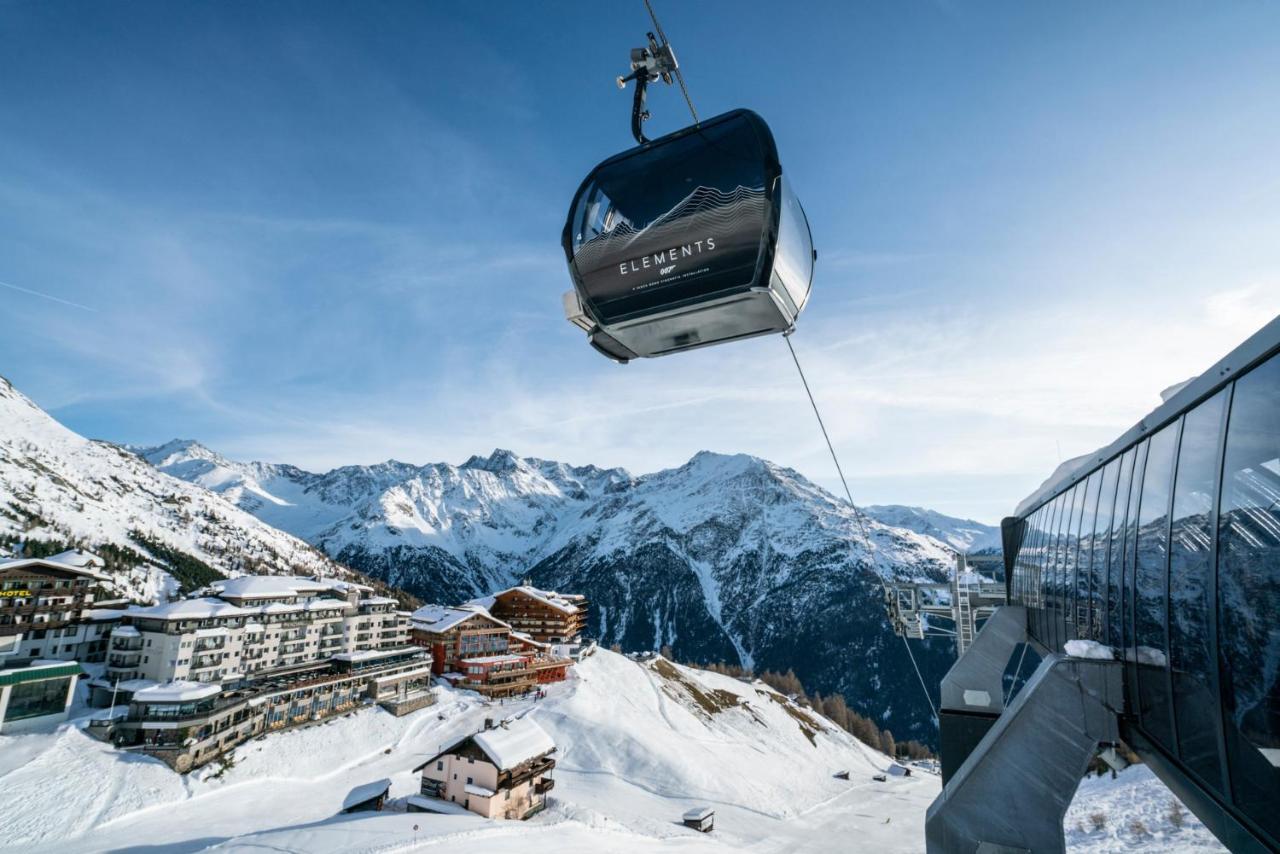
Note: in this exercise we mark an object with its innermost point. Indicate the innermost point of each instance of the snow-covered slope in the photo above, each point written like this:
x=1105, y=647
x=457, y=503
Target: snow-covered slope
x=963, y=535
x=638, y=743
x=56, y=485
x=727, y=558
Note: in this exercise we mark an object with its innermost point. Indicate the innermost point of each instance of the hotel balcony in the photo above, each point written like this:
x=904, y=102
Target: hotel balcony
x=126, y=644
x=210, y=643
x=124, y=660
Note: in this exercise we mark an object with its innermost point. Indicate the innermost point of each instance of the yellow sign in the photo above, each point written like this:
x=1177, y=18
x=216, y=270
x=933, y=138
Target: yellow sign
x=14, y=594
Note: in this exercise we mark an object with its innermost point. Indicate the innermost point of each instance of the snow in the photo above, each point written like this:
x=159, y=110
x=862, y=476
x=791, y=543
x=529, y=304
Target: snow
x=266, y=587
x=125, y=632
x=1135, y=813
x=1089, y=649
x=438, y=806
x=53, y=563
x=479, y=791
x=189, y=609
x=177, y=691
x=93, y=492
x=441, y=618
x=366, y=792
x=634, y=752
x=372, y=654
x=514, y=743
x=492, y=659
x=697, y=813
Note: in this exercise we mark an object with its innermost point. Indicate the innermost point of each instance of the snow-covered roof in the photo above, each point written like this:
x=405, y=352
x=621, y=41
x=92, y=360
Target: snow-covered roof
x=276, y=608
x=102, y=615
x=125, y=632
x=379, y=600
x=563, y=602
x=366, y=792
x=492, y=659
x=177, y=691
x=514, y=743
x=479, y=791
x=441, y=618
x=327, y=605
x=341, y=586
x=438, y=806
x=372, y=654
x=189, y=609
x=527, y=638
x=698, y=813
x=77, y=562
x=265, y=587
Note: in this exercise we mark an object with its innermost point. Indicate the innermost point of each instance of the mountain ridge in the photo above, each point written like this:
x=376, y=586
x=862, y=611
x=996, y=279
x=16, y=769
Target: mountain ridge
x=727, y=557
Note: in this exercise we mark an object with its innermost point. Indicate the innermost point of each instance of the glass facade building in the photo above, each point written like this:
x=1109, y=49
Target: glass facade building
x=1166, y=547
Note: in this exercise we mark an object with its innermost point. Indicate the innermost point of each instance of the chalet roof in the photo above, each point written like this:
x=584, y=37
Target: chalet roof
x=514, y=743
x=563, y=602
x=73, y=561
x=508, y=745
x=441, y=618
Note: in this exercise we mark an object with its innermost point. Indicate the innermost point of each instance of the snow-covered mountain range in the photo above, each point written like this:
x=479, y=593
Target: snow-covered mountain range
x=963, y=535
x=57, y=486
x=726, y=558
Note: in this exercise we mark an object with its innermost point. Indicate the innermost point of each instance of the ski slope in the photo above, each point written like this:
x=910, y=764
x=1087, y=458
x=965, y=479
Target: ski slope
x=638, y=743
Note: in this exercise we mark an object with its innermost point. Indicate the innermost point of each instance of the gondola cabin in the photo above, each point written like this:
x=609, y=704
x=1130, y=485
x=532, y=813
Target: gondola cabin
x=692, y=239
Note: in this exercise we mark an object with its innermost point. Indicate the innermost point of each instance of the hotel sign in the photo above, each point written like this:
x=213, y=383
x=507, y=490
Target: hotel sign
x=14, y=594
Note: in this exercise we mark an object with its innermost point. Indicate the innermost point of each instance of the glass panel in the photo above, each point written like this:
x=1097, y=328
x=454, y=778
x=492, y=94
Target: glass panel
x=1065, y=563
x=1115, y=563
x=1191, y=591
x=793, y=258
x=1046, y=572
x=1249, y=593
x=1101, y=540
x=1130, y=563
x=1149, y=604
x=1079, y=625
x=36, y=699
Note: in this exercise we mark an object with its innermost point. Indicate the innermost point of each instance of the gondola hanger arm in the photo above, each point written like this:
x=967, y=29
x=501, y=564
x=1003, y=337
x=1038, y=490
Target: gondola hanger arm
x=648, y=65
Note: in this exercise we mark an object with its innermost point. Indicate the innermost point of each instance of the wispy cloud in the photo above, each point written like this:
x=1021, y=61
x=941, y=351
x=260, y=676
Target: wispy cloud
x=49, y=297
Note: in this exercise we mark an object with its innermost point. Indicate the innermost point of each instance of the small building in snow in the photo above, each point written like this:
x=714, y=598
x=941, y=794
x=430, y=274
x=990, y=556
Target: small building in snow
x=368, y=797
x=36, y=695
x=502, y=771
x=700, y=818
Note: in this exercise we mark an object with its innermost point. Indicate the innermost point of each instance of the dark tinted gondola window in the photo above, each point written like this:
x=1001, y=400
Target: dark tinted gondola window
x=1191, y=591
x=1101, y=537
x=1249, y=593
x=1115, y=563
x=1149, y=590
x=701, y=198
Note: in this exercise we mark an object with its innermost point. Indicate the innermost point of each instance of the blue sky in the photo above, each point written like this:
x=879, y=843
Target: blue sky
x=327, y=233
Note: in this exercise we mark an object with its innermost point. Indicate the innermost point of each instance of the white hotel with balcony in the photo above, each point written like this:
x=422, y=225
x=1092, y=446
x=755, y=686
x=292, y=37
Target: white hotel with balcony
x=246, y=627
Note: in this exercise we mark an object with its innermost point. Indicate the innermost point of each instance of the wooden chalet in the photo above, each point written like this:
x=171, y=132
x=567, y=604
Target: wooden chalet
x=502, y=771
x=544, y=615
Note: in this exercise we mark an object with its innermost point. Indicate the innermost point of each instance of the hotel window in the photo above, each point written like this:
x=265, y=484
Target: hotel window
x=440, y=765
